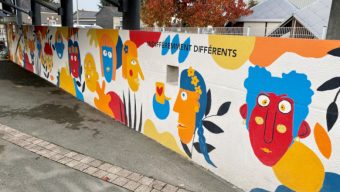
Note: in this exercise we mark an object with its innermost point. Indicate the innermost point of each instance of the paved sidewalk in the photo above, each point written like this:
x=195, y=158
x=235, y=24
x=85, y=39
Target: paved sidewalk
x=23, y=171
x=88, y=165
x=33, y=106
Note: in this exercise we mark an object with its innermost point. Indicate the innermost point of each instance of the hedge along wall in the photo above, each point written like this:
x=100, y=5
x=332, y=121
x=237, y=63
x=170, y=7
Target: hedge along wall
x=259, y=112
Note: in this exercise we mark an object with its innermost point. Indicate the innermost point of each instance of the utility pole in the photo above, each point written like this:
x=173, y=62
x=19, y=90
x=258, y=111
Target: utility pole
x=131, y=14
x=67, y=13
x=334, y=21
x=77, y=13
x=35, y=13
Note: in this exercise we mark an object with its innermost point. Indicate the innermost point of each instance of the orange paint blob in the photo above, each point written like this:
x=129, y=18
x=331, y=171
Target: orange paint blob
x=322, y=140
x=264, y=53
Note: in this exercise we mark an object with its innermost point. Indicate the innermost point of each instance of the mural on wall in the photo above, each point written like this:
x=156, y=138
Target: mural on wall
x=289, y=105
x=193, y=104
x=160, y=102
x=275, y=116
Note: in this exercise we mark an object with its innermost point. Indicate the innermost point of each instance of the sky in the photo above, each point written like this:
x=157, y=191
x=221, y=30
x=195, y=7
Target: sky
x=89, y=5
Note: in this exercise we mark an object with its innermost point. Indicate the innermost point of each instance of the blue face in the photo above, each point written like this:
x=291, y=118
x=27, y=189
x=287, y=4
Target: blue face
x=107, y=62
x=59, y=47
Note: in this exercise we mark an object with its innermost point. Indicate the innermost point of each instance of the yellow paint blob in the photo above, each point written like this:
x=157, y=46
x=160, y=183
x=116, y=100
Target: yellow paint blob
x=66, y=81
x=259, y=120
x=166, y=139
x=241, y=49
x=300, y=169
x=281, y=128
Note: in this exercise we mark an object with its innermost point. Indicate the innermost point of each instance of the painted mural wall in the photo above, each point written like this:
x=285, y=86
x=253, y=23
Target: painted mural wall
x=261, y=113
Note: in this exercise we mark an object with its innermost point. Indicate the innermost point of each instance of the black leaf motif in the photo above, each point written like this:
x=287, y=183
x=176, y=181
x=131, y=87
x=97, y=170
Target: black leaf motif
x=209, y=147
x=53, y=47
x=207, y=109
x=212, y=127
x=335, y=52
x=330, y=84
x=78, y=83
x=332, y=115
x=83, y=87
x=224, y=108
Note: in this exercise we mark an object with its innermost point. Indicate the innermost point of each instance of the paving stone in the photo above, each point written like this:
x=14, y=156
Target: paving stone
x=155, y=190
x=146, y=180
x=100, y=173
x=72, y=163
x=56, y=157
x=124, y=173
x=111, y=177
x=114, y=169
x=135, y=176
x=158, y=184
x=71, y=154
x=78, y=157
x=143, y=188
x=87, y=159
x=43, y=152
x=182, y=190
x=50, y=146
x=105, y=166
x=63, y=151
x=169, y=188
x=120, y=181
x=50, y=154
x=131, y=185
x=44, y=143
x=81, y=166
x=95, y=163
x=90, y=170
x=64, y=160
x=37, y=141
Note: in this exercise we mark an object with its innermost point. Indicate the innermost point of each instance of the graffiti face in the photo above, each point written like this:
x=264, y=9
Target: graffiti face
x=273, y=119
x=131, y=68
x=91, y=75
x=48, y=57
x=107, y=59
x=74, y=58
x=270, y=127
x=59, y=45
x=186, y=106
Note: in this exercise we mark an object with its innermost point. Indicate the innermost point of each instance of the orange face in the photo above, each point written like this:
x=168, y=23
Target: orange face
x=186, y=106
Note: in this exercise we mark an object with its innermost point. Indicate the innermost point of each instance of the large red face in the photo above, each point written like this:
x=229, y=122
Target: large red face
x=270, y=127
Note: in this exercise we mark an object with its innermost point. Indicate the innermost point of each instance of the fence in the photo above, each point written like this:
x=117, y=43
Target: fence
x=290, y=32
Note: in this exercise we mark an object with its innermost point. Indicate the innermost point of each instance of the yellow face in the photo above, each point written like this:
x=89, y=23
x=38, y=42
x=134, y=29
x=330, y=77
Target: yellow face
x=186, y=106
x=133, y=72
x=91, y=74
x=48, y=62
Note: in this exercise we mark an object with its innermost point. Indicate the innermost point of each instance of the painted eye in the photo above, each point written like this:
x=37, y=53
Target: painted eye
x=285, y=106
x=184, y=96
x=263, y=100
x=105, y=53
x=75, y=58
x=71, y=57
x=133, y=62
x=109, y=54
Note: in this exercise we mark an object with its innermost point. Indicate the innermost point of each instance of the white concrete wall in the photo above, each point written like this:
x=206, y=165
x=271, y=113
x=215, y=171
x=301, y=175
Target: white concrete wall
x=164, y=94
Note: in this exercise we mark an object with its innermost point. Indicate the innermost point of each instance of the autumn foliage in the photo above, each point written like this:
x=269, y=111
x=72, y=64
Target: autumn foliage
x=192, y=13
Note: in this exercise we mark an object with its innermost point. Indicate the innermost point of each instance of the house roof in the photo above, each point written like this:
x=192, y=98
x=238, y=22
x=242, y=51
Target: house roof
x=315, y=16
x=109, y=10
x=85, y=14
x=301, y=3
x=271, y=10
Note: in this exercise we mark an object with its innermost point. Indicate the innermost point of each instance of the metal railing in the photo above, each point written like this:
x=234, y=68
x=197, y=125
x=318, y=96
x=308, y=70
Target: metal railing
x=288, y=32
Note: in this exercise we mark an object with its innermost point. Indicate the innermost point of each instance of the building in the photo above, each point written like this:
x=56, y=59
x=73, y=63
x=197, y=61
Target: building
x=289, y=18
x=48, y=17
x=109, y=17
x=85, y=17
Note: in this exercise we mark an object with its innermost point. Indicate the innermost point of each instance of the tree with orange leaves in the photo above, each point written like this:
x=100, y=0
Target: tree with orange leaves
x=193, y=13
